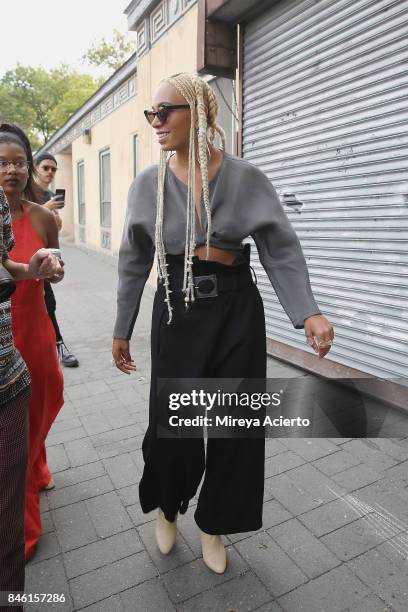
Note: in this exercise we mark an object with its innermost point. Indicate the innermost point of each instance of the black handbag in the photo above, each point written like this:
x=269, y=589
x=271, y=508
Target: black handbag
x=7, y=284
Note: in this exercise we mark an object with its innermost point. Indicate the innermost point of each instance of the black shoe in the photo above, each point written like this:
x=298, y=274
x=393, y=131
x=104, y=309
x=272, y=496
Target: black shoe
x=67, y=359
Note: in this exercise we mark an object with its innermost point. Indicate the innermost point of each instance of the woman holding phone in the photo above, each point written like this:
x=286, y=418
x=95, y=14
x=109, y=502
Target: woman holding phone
x=34, y=227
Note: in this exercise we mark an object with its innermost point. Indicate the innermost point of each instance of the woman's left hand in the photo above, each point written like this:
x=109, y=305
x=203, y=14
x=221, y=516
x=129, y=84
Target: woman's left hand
x=319, y=334
x=44, y=265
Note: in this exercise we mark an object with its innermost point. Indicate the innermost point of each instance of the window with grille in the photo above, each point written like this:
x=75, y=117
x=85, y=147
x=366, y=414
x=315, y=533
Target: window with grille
x=105, y=188
x=81, y=193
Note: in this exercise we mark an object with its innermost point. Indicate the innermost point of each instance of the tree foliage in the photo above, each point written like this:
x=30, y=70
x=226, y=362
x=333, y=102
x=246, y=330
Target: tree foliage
x=40, y=101
x=110, y=53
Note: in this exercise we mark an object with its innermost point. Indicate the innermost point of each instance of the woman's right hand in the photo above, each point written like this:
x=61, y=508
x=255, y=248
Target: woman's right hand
x=54, y=204
x=121, y=356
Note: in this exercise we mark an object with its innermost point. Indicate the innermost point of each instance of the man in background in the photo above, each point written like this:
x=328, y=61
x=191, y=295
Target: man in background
x=46, y=169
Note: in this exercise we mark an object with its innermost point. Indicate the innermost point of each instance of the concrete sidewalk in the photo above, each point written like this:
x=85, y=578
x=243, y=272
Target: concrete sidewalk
x=335, y=514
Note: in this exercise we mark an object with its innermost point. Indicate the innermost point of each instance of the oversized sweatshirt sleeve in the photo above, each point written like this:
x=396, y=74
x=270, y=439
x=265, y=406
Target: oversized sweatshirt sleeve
x=280, y=252
x=136, y=254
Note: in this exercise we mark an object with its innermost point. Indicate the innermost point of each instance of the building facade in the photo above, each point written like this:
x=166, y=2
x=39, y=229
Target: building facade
x=107, y=141
x=321, y=103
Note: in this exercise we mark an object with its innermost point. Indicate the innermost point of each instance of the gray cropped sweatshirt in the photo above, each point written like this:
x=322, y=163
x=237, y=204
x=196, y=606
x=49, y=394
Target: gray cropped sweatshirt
x=243, y=203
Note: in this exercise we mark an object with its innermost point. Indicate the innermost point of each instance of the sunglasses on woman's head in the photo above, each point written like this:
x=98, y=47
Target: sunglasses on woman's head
x=163, y=112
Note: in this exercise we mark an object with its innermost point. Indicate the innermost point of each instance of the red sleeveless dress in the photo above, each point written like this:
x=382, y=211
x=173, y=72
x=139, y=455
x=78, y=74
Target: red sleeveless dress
x=34, y=337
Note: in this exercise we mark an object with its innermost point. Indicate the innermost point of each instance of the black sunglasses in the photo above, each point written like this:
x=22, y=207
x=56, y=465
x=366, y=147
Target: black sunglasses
x=163, y=112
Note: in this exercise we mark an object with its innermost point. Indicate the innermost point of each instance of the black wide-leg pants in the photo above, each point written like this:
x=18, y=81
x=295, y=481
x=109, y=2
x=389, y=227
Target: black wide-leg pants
x=217, y=337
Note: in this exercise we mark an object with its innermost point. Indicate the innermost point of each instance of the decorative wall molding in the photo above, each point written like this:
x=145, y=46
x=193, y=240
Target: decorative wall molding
x=156, y=21
x=117, y=90
x=118, y=97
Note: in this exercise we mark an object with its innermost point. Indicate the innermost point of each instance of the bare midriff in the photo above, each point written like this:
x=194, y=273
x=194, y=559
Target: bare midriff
x=215, y=254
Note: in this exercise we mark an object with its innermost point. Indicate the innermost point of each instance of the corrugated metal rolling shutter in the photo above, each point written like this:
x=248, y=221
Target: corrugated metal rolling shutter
x=325, y=103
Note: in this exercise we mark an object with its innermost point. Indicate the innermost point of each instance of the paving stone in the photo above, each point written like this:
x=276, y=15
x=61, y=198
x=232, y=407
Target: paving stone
x=105, y=397
x=108, y=515
x=355, y=538
x=356, y=477
x=151, y=596
x=47, y=547
x=79, y=474
x=112, y=579
x=398, y=473
x=243, y=593
x=73, y=526
x=80, y=452
x=66, y=436
x=336, y=462
x=271, y=606
x=138, y=516
x=393, y=448
x=48, y=577
x=129, y=495
x=122, y=471
x=329, y=517
x=115, y=435
x=57, y=458
x=304, y=548
x=190, y=579
x=369, y=453
x=271, y=564
x=44, y=504
x=282, y=463
x=120, y=418
x=274, y=514
x=335, y=591
x=388, y=579
x=120, y=447
x=78, y=492
x=300, y=489
x=94, y=407
x=47, y=525
x=65, y=424
x=102, y=552
x=273, y=446
x=371, y=603
x=111, y=604
x=180, y=554
x=189, y=529
x=387, y=497
x=95, y=423
x=310, y=448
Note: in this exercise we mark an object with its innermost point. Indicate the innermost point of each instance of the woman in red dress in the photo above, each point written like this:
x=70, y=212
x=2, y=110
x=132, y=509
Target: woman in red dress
x=34, y=227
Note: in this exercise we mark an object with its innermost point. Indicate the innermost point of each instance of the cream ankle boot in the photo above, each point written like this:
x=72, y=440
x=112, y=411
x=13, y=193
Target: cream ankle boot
x=214, y=553
x=165, y=533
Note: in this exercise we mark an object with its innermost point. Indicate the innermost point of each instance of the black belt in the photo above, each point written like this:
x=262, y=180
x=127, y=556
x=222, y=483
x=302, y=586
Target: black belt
x=211, y=285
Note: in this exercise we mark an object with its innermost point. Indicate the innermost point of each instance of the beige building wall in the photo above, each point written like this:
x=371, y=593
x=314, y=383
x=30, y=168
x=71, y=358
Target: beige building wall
x=174, y=52
x=115, y=133
x=64, y=180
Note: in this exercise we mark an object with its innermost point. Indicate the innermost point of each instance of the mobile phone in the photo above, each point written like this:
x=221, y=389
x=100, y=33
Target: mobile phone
x=60, y=195
x=56, y=252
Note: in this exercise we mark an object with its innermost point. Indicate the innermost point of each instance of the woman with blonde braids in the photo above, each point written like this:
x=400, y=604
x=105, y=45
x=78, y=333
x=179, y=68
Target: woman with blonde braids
x=193, y=211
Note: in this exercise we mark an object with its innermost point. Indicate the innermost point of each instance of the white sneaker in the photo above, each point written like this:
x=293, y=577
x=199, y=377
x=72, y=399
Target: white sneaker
x=165, y=533
x=214, y=553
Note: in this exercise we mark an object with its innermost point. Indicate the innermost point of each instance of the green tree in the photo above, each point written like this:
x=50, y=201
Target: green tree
x=110, y=53
x=40, y=101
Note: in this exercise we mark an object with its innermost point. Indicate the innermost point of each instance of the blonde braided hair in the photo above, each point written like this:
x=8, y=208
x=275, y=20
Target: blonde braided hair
x=199, y=96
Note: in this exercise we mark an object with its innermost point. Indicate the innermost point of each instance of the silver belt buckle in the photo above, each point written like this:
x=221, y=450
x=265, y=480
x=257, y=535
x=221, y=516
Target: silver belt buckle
x=206, y=286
